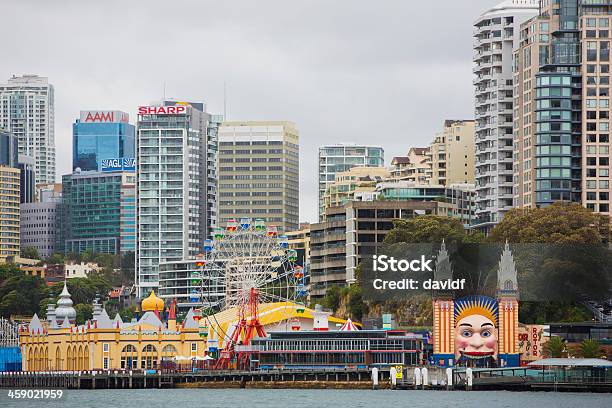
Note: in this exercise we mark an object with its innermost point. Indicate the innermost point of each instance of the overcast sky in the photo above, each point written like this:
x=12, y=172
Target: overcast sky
x=375, y=72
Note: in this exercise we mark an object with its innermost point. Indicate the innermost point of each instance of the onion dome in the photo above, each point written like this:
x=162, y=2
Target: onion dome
x=64, y=307
x=152, y=303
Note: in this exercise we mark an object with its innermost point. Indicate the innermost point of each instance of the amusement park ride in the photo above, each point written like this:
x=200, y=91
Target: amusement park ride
x=245, y=265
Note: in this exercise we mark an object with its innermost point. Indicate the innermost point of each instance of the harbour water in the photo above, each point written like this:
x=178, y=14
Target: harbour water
x=224, y=398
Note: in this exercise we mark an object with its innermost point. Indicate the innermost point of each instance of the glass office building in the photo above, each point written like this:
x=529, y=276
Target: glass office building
x=99, y=212
x=99, y=136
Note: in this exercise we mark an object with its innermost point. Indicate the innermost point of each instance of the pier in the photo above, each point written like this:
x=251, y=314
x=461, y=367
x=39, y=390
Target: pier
x=516, y=378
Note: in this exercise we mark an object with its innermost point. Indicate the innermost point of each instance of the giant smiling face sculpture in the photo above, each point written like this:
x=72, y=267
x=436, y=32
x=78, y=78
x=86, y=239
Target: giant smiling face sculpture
x=475, y=328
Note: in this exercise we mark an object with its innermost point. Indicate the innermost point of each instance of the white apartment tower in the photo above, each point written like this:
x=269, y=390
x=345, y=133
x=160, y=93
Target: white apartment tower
x=27, y=110
x=176, y=186
x=496, y=34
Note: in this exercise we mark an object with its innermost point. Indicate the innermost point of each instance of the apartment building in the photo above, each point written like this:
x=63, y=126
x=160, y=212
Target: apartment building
x=452, y=153
x=562, y=106
x=496, y=35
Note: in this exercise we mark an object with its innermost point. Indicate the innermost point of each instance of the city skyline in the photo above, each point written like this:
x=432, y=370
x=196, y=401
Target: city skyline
x=336, y=82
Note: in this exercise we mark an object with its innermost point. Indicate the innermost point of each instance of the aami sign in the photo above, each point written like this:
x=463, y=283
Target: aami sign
x=104, y=117
x=162, y=110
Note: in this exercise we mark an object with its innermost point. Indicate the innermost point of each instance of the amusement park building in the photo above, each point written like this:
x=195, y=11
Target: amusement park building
x=145, y=343
x=333, y=349
x=105, y=344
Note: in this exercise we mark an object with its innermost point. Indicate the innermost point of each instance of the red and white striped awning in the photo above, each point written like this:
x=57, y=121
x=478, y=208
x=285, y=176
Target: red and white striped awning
x=349, y=326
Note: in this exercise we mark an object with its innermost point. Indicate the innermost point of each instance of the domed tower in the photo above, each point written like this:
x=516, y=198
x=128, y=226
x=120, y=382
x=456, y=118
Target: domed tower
x=152, y=303
x=64, y=307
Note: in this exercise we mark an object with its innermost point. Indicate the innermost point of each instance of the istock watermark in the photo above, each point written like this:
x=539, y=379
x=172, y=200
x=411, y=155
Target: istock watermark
x=533, y=272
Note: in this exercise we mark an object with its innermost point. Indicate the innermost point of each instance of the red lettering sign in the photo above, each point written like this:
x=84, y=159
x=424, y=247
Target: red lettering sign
x=534, y=338
x=162, y=110
x=100, y=117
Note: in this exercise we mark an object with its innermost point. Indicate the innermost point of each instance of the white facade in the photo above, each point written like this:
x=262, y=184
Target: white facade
x=176, y=188
x=81, y=270
x=27, y=110
x=39, y=222
x=496, y=34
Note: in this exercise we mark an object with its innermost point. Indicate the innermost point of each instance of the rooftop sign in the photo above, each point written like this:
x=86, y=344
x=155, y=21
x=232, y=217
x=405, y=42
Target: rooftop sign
x=104, y=117
x=162, y=110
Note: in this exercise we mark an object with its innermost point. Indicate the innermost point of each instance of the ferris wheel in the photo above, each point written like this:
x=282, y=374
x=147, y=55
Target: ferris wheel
x=248, y=264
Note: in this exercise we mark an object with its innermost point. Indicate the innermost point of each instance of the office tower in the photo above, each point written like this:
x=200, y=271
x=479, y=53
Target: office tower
x=94, y=209
x=9, y=212
x=27, y=165
x=27, y=110
x=496, y=34
x=39, y=223
x=452, y=153
x=176, y=190
x=562, y=106
x=101, y=139
x=342, y=157
x=259, y=172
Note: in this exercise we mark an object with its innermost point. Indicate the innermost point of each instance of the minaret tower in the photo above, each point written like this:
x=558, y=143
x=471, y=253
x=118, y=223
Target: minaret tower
x=507, y=298
x=443, y=313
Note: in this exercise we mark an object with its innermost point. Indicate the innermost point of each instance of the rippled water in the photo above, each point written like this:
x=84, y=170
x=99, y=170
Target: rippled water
x=187, y=398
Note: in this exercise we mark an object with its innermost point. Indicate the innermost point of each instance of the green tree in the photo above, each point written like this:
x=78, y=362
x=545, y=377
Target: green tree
x=559, y=223
x=430, y=229
x=20, y=294
x=83, y=313
x=332, y=298
x=127, y=313
x=30, y=253
x=55, y=259
x=554, y=347
x=357, y=308
x=589, y=349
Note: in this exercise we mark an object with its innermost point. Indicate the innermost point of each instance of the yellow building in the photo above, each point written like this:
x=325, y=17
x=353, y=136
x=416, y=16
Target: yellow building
x=105, y=344
x=9, y=213
x=452, y=153
x=354, y=181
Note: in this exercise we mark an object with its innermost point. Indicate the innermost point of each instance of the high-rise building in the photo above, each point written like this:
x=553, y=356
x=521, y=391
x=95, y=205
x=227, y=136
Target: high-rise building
x=496, y=34
x=27, y=110
x=39, y=223
x=176, y=188
x=562, y=106
x=452, y=153
x=342, y=157
x=259, y=172
x=27, y=165
x=102, y=139
x=9, y=212
x=94, y=211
